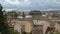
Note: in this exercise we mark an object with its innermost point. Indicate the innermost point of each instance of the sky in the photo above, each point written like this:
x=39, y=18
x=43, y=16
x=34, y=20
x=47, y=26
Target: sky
x=31, y=4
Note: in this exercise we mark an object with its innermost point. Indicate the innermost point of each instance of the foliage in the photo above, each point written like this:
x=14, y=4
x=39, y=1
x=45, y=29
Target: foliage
x=13, y=14
x=30, y=32
x=35, y=12
x=56, y=33
x=4, y=27
x=23, y=15
x=15, y=32
x=23, y=32
x=0, y=32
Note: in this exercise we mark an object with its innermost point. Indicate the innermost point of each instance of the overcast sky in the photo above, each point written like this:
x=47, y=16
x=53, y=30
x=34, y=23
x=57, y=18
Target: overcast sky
x=31, y=4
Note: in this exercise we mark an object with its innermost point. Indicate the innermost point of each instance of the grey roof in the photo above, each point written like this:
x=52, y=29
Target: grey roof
x=39, y=22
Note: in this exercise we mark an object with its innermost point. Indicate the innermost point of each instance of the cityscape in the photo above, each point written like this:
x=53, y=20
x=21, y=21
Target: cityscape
x=34, y=22
x=27, y=17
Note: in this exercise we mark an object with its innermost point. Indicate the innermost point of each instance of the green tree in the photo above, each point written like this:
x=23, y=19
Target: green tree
x=35, y=12
x=13, y=14
x=23, y=15
x=15, y=32
x=4, y=27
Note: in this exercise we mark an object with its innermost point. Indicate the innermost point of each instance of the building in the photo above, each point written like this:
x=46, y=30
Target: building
x=35, y=24
x=40, y=26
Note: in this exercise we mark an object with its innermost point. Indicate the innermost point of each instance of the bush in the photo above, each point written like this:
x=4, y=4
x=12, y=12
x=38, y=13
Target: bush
x=12, y=31
x=23, y=32
x=16, y=32
x=0, y=32
x=56, y=33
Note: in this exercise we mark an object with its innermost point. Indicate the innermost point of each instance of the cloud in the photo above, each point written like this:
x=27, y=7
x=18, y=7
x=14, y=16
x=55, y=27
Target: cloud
x=17, y=2
x=57, y=2
x=31, y=4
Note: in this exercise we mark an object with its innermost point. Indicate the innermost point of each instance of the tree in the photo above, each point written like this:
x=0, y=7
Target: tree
x=23, y=15
x=35, y=12
x=15, y=15
x=16, y=32
x=4, y=27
